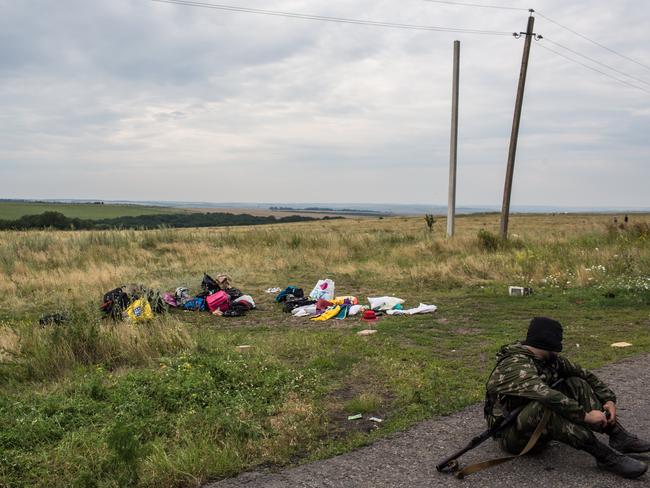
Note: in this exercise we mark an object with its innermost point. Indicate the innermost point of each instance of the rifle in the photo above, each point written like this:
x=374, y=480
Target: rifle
x=450, y=463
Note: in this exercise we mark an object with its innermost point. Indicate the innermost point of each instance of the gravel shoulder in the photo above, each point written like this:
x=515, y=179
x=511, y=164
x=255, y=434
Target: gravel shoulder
x=408, y=459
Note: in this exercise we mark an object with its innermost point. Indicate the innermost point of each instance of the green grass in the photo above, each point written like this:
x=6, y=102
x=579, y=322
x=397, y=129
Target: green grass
x=198, y=409
x=15, y=210
x=364, y=403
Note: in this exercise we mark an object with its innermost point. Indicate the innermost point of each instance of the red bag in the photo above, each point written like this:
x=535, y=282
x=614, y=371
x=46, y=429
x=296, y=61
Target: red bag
x=219, y=300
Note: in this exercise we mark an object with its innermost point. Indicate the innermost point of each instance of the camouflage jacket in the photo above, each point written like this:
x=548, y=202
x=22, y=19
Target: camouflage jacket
x=520, y=377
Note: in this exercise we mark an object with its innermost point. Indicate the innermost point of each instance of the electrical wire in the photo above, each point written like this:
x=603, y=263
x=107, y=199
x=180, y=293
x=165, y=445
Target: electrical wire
x=479, y=5
x=592, y=41
x=341, y=20
x=540, y=14
x=596, y=61
x=594, y=69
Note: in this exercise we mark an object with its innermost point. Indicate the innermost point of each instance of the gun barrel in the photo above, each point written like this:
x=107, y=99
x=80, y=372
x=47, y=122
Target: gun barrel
x=447, y=462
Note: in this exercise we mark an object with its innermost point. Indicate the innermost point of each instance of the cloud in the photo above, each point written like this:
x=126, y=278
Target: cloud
x=133, y=99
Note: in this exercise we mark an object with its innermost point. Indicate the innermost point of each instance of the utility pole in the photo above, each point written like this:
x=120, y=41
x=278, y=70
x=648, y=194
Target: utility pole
x=505, y=209
x=453, y=150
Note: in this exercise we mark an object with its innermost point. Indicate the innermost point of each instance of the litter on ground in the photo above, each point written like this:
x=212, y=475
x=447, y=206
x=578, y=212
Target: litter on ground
x=139, y=303
x=323, y=304
x=367, y=332
x=621, y=344
x=422, y=308
x=218, y=297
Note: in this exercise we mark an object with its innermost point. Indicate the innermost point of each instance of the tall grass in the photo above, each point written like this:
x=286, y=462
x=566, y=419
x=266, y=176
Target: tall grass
x=34, y=353
x=36, y=266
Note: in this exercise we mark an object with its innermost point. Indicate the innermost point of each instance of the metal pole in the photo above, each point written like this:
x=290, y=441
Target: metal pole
x=505, y=209
x=453, y=149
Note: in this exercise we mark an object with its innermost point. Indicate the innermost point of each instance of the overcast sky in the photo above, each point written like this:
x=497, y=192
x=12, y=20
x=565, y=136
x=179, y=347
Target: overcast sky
x=139, y=100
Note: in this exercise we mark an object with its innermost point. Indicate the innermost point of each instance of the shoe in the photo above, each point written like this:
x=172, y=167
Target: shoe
x=625, y=442
x=613, y=461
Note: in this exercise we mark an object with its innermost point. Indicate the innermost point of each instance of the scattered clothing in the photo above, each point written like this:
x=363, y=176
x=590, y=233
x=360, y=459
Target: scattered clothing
x=233, y=293
x=354, y=310
x=246, y=300
x=170, y=299
x=422, y=308
x=196, y=304
x=328, y=314
x=304, y=311
x=323, y=304
x=343, y=313
x=294, y=303
x=350, y=300
x=288, y=293
x=384, y=303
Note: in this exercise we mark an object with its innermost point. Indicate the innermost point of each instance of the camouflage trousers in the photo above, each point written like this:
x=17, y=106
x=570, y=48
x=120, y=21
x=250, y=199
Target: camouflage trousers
x=515, y=437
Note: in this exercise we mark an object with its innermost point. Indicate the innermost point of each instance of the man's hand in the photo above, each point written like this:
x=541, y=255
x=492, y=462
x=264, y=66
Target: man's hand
x=610, y=407
x=596, y=417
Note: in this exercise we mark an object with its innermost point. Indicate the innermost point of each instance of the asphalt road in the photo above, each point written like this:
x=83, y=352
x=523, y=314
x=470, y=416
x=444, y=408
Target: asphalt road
x=408, y=459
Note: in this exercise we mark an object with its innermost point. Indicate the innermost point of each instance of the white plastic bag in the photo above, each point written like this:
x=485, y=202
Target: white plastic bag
x=324, y=289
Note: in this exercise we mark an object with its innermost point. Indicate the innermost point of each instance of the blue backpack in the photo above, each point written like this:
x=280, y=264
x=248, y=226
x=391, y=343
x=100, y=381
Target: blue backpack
x=197, y=304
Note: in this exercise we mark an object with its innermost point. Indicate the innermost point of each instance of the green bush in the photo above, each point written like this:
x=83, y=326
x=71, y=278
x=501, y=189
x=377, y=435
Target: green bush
x=488, y=241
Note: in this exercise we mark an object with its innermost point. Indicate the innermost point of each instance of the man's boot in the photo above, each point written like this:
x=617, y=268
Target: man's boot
x=623, y=441
x=611, y=460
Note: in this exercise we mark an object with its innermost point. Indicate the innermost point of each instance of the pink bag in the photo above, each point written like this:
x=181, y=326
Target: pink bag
x=170, y=300
x=219, y=300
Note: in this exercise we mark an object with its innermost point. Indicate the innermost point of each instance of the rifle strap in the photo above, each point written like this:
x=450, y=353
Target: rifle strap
x=473, y=468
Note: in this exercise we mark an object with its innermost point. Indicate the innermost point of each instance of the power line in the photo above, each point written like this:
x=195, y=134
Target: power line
x=596, y=61
x=342, y=20
x=592, y=41
x=479, y=5
x=502, y=7
x=595, y=69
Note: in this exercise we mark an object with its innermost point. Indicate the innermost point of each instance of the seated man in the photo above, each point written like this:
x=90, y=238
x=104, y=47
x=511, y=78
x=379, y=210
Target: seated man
x=524, y=374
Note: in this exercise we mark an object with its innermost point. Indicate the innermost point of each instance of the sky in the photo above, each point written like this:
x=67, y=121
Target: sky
x=143, y=100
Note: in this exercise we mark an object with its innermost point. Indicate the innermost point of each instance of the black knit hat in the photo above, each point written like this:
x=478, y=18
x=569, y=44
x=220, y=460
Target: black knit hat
x=544, y=333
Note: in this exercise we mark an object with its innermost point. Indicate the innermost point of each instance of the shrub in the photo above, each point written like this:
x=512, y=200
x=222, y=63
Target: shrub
x=488, y=241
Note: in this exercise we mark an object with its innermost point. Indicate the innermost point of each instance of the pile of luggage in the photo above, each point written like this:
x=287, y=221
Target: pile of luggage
x=139, y=303
x=135, y=302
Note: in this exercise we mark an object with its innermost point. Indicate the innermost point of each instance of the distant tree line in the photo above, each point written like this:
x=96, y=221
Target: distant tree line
x=56, y=220
x=327, y=209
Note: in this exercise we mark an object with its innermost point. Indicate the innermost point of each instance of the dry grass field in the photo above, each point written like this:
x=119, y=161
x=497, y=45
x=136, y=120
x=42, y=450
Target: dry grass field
x=172, y=402
x=363, y=255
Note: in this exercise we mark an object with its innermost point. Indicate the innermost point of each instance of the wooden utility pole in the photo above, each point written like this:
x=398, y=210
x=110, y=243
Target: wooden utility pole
x=505, y=209
x=453, y=149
